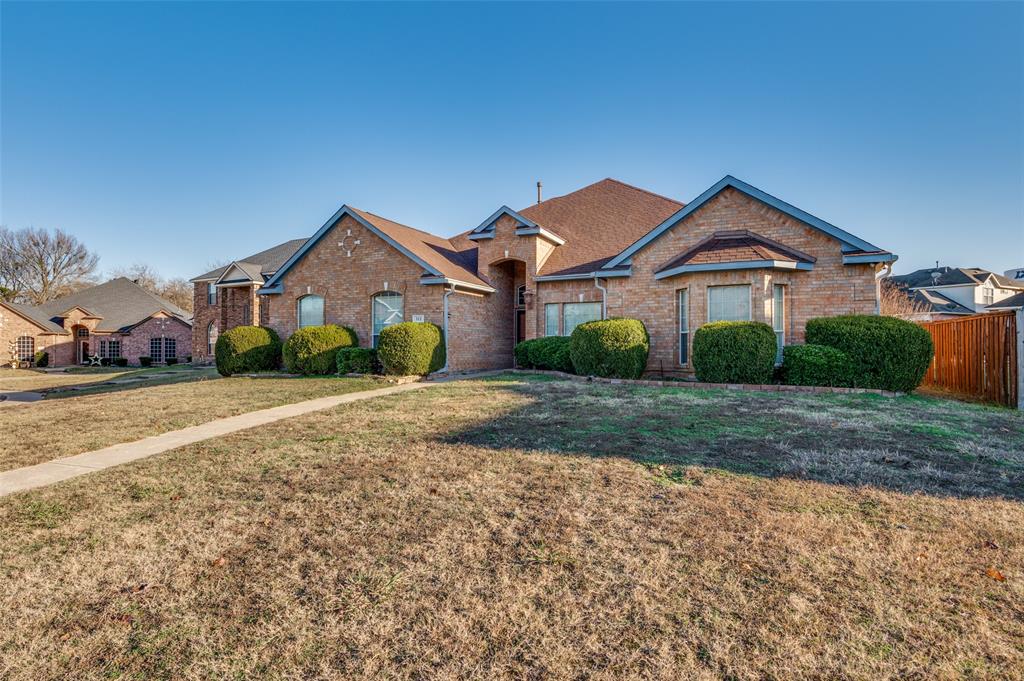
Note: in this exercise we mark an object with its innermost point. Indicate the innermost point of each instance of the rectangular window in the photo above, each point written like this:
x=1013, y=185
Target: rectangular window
x=110, y=349
x=83, y=332
x=156, y=349
x=779, y=319
x=574, y=314
x=551, y=319
x=26, y=348
x=170, y=348
x=729, y=303
x=211, y=294
x=988, y=295
x=684, y=327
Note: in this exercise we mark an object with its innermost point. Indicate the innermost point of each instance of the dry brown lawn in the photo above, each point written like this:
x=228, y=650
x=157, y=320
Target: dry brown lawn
x=538, y=529
x=40, y=431
x=26, y=380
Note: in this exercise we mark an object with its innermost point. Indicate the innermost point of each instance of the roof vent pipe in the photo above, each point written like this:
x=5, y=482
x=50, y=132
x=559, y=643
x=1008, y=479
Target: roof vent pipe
x=538, y=191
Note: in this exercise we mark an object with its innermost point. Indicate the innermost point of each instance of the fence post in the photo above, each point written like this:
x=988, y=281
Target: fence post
x=1020, y=357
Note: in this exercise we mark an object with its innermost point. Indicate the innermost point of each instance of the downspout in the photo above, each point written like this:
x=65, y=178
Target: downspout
x=604, y=297
x=447, y=293
x=882, y=274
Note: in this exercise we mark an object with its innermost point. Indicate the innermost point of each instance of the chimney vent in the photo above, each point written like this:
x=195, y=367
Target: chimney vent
x=538, y=191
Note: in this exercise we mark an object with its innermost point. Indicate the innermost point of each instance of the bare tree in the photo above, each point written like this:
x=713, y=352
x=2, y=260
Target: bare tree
x=142, y=274
x=899, y=301
x=39, y=265
x=179, y=291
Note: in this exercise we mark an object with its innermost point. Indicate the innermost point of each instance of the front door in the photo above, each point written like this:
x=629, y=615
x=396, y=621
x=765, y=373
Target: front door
x=520, y=326
x=83, y=352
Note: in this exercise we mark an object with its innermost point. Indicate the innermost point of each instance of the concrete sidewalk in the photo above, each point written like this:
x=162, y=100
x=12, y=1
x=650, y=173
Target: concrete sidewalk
x=30, y=477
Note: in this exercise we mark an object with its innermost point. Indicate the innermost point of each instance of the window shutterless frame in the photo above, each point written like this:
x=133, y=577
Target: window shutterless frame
x=684, y=326
x=211, y=294
x=750, y=300
x=779, y=319
x=551, y=319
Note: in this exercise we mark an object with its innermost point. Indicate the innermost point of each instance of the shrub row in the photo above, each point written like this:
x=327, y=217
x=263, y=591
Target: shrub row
x=885, y=352
x=548, y=352
x=313, y=350
x=411, y=348
x=817, y=365
x=246, y=349
x=358, y=361
x=734, y=352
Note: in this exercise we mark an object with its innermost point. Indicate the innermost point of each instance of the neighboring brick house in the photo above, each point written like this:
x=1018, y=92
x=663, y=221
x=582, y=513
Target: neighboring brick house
x=116, y=319
x=607, y=250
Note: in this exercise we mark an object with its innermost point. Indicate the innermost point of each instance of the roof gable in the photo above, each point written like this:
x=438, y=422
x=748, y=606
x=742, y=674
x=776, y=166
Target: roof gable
x=850, y=243
x=485, y=230
x=241, y=272
x=120, y=303
x=438, y=257
x=735, y=249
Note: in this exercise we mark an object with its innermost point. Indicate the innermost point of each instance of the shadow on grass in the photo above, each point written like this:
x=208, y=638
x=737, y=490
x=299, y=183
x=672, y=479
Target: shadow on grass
x=910, y=444
x=122, y=381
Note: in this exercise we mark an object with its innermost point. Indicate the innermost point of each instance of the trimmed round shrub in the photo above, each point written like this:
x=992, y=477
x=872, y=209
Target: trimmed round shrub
x=611, y=348
x=246, y=349
x=42, y=358
x=734, y=352
x=411, y=348
x=548, y=352
x=145, y=361
x=817, y=365
x=313, y=350
x=120, y=361
x=170, y=360
x=522, y=354
x=887, y=353
x=358, y=361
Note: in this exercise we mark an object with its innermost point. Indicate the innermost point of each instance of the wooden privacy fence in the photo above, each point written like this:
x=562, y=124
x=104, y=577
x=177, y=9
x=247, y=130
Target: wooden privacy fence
x=976, y=356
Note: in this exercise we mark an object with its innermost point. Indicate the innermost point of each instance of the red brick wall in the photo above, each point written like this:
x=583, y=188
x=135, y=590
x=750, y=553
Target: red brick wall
x=831, y=288
x=235, y=306
x=136, y=343
x=348, y=284
x=13, y=326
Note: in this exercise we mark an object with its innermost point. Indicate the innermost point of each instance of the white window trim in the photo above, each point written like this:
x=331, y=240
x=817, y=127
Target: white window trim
x=374, y=337
x=782, y=323
x=558, y=319
x=298, y=310
x=750, y=305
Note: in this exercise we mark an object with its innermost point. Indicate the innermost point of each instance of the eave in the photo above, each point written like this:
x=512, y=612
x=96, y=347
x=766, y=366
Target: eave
x=739, y=265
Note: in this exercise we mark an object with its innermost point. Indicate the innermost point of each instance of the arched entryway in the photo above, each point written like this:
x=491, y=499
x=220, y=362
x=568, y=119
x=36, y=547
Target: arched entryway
x=508, y=276
x=82, y=350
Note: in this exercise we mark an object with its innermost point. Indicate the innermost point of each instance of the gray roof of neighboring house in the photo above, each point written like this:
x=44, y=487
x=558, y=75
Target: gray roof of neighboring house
x=33, y=315
x=261, y=264
x=120, y=303
x=953, y=276
x=1011, y=303
x=939, y=303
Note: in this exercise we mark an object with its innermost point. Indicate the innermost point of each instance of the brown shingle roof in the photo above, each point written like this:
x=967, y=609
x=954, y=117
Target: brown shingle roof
x=598, y=222
x=736, y=246
x=439, y=253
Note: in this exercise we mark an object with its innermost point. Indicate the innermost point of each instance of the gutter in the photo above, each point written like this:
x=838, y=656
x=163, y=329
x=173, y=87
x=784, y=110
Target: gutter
x=604, y=296
x=884, y=272
x=444, y=306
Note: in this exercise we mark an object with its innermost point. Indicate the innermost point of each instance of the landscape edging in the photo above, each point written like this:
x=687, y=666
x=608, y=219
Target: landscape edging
x=752, y=387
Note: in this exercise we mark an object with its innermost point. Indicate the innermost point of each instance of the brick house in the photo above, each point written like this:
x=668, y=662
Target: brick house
x=118, y=318
x=606, y=250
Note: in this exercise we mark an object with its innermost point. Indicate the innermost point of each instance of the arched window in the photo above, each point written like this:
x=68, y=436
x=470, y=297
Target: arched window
x=211, y=338
x=388, y=309
x=26, y=348
x=311, y=311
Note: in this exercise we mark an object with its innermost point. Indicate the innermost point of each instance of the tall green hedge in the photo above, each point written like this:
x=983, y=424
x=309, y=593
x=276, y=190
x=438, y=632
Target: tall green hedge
x=734, y=352
x=614, y=348
x=887, y=353
x=817, y=365
x=411, y=348
x=312, y=350
x=247, y=348
x=548, y=352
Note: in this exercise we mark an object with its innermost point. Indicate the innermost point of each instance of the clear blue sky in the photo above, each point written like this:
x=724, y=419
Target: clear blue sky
x=179, y=134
